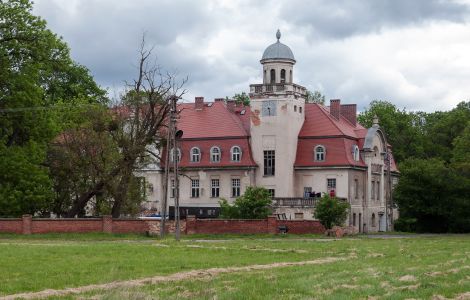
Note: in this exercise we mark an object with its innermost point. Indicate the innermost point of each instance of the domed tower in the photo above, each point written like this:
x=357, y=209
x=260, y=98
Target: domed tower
x=278, y=113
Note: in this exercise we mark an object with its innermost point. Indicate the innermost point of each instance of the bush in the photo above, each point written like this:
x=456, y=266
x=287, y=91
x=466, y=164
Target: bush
x=253, y=204
x=331, y=211
x=405, y=224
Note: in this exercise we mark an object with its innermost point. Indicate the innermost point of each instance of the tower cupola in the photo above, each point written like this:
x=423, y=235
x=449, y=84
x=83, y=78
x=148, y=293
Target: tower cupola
x=278, y=62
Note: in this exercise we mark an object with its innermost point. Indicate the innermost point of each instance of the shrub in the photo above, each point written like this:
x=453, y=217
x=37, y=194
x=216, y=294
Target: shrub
x=331, y=211
x=253, y=204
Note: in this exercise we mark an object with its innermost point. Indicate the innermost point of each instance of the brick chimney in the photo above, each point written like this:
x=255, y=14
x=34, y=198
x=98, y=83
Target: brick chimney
x=231, y=104
x=335, y=108
x=348, y=111
x=199, y=103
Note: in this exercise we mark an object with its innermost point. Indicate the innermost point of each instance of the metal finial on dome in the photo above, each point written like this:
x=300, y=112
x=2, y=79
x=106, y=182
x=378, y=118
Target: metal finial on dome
x=278, y=35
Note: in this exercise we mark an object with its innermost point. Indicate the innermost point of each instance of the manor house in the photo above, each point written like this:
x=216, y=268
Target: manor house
x=296, y=150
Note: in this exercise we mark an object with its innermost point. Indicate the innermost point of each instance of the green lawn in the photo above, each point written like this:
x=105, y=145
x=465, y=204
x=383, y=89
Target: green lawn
x=396, y=268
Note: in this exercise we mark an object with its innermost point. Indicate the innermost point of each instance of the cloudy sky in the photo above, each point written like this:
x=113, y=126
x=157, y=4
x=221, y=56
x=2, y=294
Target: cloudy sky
x=414, y=53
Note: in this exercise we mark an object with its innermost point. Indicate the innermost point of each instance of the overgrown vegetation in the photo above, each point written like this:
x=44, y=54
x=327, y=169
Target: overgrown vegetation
x=331, y=211
x=253, y=204
x=433, y=155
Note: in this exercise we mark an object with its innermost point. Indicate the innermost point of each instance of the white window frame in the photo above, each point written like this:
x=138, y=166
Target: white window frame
x=195, y=157
x=356, y=156
x=215, y=188
x=172, y=154
x=331, y=186
x=236, y=156
x=172, y=188
x=195, y=188
x=320, y=155
x=216, y=157
x=236, y=187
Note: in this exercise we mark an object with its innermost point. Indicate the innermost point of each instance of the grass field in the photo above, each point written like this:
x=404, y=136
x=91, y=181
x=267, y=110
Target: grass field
x=235, y=267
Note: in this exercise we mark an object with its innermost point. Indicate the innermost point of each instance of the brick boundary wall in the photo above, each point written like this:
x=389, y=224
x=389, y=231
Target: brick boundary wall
x=29, y=225
x=269, y=225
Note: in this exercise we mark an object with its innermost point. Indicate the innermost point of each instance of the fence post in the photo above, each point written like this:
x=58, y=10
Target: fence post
x=27, y=222
x=107, y=224
x=272, y=224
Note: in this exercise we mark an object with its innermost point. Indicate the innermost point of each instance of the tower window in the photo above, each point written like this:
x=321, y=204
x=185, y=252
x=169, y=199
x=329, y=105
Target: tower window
x=295, y=108
x=300, y=109
x=290, y=77
x=273, y=76
x=269, y=162
x=283, y=76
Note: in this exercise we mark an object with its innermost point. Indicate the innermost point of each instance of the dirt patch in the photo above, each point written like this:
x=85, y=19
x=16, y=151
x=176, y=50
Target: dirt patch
x=407, y=278
x=173, y=277
x=464, y=296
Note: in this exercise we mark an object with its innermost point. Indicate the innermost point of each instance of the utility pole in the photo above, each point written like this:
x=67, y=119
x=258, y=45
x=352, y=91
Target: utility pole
x=170, y=146
x=175, y=168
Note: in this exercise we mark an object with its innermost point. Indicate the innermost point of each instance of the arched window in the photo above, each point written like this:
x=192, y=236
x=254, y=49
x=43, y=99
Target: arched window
x=300, y=109
x=178, y=155
x=273, y=76
x=215, y=154
x=236, y=153
x=195, y=154
x=264, y=78
x=290, y=77
x=283, y=76
x=372, y=220
x=295, y=108
x=355, y=153
x=320, y=153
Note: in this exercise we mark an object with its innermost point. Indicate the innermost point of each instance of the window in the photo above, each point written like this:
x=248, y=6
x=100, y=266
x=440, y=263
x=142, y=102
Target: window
x=319, y=153
x=194, y=188
x=215, y=188
x=195, y=155
x=215, y=154
x=377, y=194
x=356, y=153
x=235, y=187
x=356, y=188
x=236, y=153
x=372, y=220
x=298, y=216
x=300, y=109
x=269, y=162
x=172, y=155
x=331, y=183
x=290, y=77
x=272, y=192
x=295, y=108
x=354, y=219
x=372, y=190
x=273, y=76
x=173, y=189
x=283, y=76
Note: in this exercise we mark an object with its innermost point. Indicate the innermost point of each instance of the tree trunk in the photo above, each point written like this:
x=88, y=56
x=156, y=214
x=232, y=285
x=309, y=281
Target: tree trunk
x=121, y=195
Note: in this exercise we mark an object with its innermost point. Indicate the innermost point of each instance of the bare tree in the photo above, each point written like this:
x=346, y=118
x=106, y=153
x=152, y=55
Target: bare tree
x=139, y=122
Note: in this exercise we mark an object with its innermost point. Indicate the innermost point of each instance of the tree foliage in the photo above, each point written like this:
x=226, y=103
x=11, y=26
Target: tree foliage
x=331, y=211
x=315, y=97
x=253, y=204
x=242, y=98
x=36, y=75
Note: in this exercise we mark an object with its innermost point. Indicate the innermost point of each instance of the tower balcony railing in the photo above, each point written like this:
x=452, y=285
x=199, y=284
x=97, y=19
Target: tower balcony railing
x=275, y=88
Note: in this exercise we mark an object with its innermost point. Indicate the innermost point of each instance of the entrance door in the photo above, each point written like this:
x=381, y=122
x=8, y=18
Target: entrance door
x=382, y=223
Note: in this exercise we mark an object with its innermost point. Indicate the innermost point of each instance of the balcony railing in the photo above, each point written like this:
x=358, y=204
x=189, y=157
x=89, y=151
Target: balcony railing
x=288, y=88
x=294, y=202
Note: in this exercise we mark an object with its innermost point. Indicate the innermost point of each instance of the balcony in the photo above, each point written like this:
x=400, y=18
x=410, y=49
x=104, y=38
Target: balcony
x=277, y=88
x=294, y=202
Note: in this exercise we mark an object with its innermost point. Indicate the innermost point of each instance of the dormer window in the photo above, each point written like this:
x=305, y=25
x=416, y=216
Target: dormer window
x=172, y=155
x=320, y=153
x=236, y=153
x=215, y=154
x=195, y=154
x=355, y=153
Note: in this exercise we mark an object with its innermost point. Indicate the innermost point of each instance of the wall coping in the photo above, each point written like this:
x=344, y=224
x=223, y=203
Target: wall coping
x=11, y=219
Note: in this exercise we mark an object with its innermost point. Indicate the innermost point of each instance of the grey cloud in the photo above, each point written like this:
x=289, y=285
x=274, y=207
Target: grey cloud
x=345, y=18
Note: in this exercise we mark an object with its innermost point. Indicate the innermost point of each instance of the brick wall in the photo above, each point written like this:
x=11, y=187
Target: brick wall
x=269, y=225
x=29, y=225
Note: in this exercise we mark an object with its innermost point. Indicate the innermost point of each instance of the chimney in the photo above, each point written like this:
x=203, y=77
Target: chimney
x=335, y=107
x=231, y=104
x=199, y=103
x=348, y=111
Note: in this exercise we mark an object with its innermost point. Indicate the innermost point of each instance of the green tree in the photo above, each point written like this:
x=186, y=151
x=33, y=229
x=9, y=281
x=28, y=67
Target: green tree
x=331, y=211
x=315, y=97
x=242, y=98
x=36, y=74
x=253, y=204
x=403, y=130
